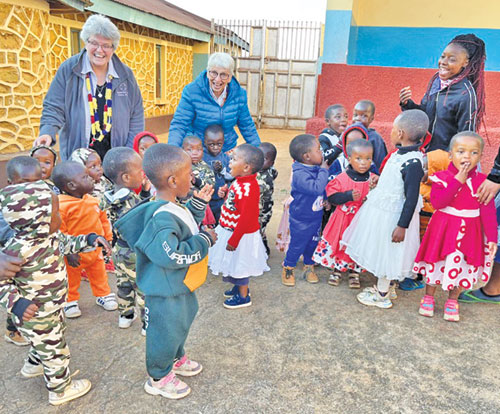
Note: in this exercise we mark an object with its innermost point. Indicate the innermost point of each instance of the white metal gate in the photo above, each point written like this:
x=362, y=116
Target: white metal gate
x=276, y=62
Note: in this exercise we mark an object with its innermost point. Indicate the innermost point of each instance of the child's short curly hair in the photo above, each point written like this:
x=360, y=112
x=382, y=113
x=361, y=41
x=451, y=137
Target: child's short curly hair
x=300, y=145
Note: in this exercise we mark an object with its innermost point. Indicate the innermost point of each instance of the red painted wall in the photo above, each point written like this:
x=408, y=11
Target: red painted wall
x=347, y=84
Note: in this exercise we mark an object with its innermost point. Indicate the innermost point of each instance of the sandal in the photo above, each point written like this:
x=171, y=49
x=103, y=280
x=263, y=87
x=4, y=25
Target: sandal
x=334, y=278
x=354, y=281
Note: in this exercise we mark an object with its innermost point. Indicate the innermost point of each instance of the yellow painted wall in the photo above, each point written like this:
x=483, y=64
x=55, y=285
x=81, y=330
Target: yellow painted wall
x=33, y=44
x=426, y=13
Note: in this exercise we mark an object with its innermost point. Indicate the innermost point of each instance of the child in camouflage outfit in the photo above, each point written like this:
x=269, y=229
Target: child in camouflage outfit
x=123, y=166
x=265, y=178
x=35, y=295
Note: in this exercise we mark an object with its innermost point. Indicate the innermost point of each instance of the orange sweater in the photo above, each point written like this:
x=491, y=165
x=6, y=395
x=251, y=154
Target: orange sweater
x=437, y=160
x=83, y=216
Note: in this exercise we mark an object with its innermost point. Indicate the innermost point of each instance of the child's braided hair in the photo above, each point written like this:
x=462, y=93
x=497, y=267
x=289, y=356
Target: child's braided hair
x=474, y=71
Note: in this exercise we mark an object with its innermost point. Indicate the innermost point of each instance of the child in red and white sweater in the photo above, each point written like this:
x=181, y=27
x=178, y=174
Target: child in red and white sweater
x=239, y=251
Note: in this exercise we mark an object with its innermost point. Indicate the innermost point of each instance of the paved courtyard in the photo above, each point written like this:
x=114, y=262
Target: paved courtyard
x=308, y=349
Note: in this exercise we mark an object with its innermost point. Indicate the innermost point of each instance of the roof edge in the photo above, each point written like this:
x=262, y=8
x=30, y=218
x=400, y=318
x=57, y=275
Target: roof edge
x=132, y=15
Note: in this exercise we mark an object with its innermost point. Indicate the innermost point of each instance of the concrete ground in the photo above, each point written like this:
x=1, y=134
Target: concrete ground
x=308, y=349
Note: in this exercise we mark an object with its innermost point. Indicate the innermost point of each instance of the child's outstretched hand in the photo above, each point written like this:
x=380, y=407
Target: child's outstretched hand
x=222, y=191
x=405, y=95
x=398, y=235
x=146, y=184
x=373, y=181
x=205, y=193
x=102, y=242
x=217, y=165
x=211, y=232
x=73, y=259
x=230, y=248
x=356, y=195
x=29, y=312
x=492, y=247
x=462, y=172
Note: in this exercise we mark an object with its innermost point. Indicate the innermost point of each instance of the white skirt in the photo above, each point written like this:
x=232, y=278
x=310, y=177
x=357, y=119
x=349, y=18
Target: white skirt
x=249, y=258
x=368, y=242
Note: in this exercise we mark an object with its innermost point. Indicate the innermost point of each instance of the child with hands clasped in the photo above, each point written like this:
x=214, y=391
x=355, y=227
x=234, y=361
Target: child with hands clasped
x=309, y=180
x=239, y=252
x=461, y=240
x=347, y=191
x=383, y=237
x=36, y=294
x=171, y=264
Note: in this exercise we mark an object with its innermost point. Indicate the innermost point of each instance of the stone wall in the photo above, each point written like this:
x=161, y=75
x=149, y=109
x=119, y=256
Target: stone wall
x=33, y=44
x=24, y=75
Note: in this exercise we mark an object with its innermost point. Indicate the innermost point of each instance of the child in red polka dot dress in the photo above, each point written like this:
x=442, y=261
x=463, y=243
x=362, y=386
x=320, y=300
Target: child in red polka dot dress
x=461, y=239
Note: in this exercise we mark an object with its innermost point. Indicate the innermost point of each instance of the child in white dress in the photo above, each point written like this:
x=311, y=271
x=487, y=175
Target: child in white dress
x=383, y=237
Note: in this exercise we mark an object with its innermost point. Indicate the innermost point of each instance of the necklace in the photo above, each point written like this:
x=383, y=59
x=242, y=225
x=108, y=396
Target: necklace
x=96, y=133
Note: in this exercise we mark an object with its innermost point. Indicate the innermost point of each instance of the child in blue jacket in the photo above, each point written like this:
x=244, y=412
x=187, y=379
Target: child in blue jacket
x=309, y=180
x=171, y=263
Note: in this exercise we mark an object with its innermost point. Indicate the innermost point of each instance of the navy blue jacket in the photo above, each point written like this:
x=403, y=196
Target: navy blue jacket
x=450, y=111
x=197, y=109
x=308, y=186
x=379, y=148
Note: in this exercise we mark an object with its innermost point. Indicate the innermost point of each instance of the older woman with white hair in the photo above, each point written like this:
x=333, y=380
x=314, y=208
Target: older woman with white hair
x=94, y=100
x=214, y=97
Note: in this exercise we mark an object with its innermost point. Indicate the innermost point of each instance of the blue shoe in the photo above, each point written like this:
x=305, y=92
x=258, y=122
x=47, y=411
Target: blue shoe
x=231, y=292
x=478, y=296
x=411, y=284
x=237, y=302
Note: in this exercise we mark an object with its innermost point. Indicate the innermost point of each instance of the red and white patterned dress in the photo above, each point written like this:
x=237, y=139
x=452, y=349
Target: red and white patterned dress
x=329, y=252
x=454, y=250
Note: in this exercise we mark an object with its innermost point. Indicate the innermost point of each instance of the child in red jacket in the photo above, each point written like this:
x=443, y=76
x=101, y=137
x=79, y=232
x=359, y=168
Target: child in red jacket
x=239, y=251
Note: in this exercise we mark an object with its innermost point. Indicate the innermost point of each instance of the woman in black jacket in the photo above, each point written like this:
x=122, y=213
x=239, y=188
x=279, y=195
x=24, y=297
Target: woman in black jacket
x=454, y=100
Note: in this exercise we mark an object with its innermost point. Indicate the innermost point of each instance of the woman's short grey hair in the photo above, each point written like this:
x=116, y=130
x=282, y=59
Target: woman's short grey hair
x=98, y=24
x=221, y=60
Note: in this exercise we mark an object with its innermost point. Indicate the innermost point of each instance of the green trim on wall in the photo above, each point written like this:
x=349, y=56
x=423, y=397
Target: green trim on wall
x=128, y=14
x=200, y=61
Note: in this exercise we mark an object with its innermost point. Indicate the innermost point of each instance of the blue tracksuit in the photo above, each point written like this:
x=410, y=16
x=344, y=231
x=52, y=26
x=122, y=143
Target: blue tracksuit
x=306, y=211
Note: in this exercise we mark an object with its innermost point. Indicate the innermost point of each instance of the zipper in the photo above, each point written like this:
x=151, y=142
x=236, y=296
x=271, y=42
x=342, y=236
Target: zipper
x=435, y=114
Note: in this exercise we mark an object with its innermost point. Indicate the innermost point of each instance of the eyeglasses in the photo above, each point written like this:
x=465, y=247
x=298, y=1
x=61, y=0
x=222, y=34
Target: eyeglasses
x=107, y=47
x=223, y=76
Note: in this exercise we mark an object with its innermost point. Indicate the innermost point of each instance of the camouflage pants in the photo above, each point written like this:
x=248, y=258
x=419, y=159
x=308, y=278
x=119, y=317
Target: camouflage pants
x=265, y=217
x=129, y=294
x=48, y=347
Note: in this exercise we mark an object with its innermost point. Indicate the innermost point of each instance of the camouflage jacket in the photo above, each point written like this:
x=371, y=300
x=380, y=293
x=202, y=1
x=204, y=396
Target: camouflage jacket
x=266, y=178
x=42, y=279
x=116, y=204
x=203, y=175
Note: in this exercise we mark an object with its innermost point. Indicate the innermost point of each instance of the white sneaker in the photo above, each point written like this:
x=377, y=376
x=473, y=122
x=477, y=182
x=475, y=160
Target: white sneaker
x=30, y=370
x=75, y=389
x=124, y=322
x=108, y=302
x=72, y=310
x=374, y=298
x=392, y=291
x=169, y=387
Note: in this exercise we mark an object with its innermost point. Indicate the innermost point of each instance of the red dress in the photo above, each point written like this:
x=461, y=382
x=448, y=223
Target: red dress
x=453, y=251
x=329, y=252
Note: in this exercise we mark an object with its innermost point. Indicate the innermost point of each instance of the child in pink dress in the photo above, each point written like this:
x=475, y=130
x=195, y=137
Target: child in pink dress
x=461, y=239
x=347, y=191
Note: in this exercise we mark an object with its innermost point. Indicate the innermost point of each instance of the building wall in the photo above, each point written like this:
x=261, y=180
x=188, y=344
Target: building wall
x=24, y=75
x=34, y=43
x=373, y=48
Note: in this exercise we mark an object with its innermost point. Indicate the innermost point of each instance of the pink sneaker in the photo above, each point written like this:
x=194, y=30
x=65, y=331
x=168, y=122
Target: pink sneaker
x=427, y=306
x=187, y=368
x=169, y=387
x=451, y=311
